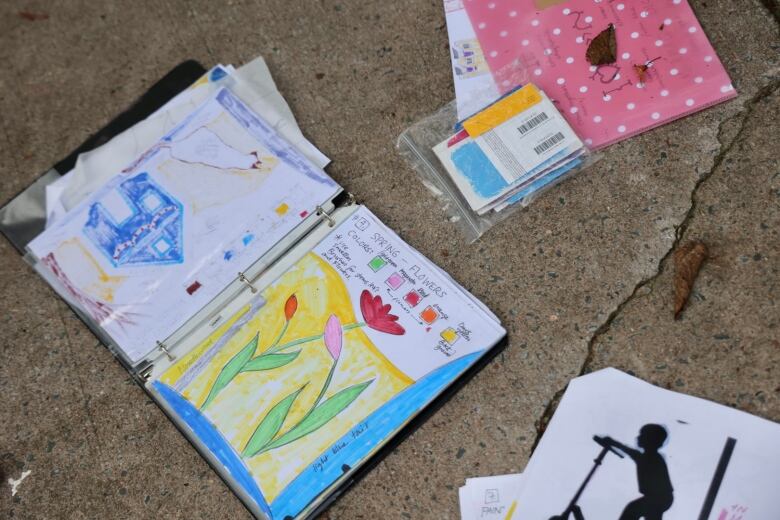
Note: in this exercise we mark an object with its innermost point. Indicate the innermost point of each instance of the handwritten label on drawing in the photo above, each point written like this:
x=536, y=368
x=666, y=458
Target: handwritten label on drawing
x=408, y=309
x=339, y=258
x=445, y=348
x=427, y=282
x=463, y=331
x=325, y=458
x=341, y=254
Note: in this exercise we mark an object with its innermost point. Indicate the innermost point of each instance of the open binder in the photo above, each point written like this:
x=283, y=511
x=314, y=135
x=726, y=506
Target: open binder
x=290, y=335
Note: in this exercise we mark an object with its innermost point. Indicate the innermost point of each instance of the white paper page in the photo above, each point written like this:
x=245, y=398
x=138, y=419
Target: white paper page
x=337, y=318
x=55, y=210
x=159, y=241
x=676, y=478
x=440, y=322
x=464, y=499
x=490, y=498
x=474, y=86
x=252, y=83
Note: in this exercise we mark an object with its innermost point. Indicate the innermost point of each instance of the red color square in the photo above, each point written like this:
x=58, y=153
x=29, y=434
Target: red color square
x=412, y=298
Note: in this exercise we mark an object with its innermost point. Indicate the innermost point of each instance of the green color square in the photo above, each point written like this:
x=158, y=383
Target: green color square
x=377, y=263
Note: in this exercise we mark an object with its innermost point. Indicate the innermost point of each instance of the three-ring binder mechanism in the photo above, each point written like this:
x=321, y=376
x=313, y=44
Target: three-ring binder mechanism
x=242, y=278
x=212, y=315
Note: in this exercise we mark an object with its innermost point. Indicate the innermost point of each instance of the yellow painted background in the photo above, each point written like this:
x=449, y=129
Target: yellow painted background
x=240, y=407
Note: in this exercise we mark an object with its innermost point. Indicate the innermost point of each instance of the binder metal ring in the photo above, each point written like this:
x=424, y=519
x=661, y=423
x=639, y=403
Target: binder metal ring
x=162, y=347
x=245, y=280
x=321, y=213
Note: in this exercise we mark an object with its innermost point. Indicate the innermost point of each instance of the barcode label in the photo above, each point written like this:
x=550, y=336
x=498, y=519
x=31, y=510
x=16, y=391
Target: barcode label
x=527, y=144
x=532, y=123
x=548, y=143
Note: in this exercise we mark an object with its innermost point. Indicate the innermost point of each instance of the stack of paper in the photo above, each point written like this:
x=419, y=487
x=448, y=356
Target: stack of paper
x=490, y=498
x=251, y=82
x=149, y=228
x=618, y=447
x=510, y=150
x=664, y=68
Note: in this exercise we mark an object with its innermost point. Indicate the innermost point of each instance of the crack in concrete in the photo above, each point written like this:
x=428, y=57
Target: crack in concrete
x=680, y=231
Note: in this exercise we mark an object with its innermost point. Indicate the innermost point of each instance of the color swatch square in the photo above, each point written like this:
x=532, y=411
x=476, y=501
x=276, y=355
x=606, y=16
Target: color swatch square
x=377, y=263
x=282, y=209
x=395, y=281
x=450, y=335
x=412, y=298
x=429, y=315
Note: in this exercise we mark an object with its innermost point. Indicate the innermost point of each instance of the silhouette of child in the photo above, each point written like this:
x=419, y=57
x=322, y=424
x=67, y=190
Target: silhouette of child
x=652, y=475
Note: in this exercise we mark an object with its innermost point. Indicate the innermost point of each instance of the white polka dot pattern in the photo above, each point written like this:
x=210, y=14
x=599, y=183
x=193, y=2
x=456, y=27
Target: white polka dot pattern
x=610, y=102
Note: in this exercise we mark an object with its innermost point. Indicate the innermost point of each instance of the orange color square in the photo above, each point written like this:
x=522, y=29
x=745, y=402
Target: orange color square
x=429, y=315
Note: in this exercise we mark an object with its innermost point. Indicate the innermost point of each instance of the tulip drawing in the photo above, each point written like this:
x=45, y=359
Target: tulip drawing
x=246, y=361
x=267, y=437
x=333, y=336
x=376, y=315
x=290, y=306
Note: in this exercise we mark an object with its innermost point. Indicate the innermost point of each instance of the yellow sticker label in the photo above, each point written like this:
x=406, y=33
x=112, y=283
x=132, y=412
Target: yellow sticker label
x=282, y=209
x=503, y=110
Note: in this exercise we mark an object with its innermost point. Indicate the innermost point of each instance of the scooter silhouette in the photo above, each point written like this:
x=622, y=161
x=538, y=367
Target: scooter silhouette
x=573, y=509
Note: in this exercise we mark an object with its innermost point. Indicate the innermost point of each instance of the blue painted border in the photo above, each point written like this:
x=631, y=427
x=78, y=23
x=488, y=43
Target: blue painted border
x=207, y=433
x=346, y=453
x=374, y=430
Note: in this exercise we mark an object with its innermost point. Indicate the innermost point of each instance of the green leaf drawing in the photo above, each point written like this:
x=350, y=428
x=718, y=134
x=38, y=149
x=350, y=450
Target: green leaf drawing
x=270, y=425
x=231, y=370
x=320, y=416
x=269, y=361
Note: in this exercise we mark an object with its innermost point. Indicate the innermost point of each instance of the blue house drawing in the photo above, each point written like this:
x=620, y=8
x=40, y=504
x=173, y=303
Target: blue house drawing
x=137, y=223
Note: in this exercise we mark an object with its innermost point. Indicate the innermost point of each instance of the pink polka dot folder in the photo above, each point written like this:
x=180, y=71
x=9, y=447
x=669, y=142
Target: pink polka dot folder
x=605, y=104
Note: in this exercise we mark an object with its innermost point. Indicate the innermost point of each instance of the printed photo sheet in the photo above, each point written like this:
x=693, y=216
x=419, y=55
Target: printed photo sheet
x=333, y=358
x=654, y=453
x=166, y=235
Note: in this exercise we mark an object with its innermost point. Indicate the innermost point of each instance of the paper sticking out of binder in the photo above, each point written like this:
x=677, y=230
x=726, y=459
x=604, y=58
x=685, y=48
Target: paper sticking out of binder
x=290, y=334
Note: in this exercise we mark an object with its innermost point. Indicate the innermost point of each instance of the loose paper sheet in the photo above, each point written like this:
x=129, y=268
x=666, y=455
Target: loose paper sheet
x=160, y=240
x=490, y=498
x=361, y=333
x=252, y=83
x=683, y=457
x=474, y=87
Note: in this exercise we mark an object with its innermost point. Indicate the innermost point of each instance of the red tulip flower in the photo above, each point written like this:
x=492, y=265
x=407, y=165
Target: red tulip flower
x=377, y=316
x=290, y=306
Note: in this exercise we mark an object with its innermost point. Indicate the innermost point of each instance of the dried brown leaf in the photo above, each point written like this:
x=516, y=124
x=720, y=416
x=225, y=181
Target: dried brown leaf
x=603, y=48
x=641, y=72
x=687, y=262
